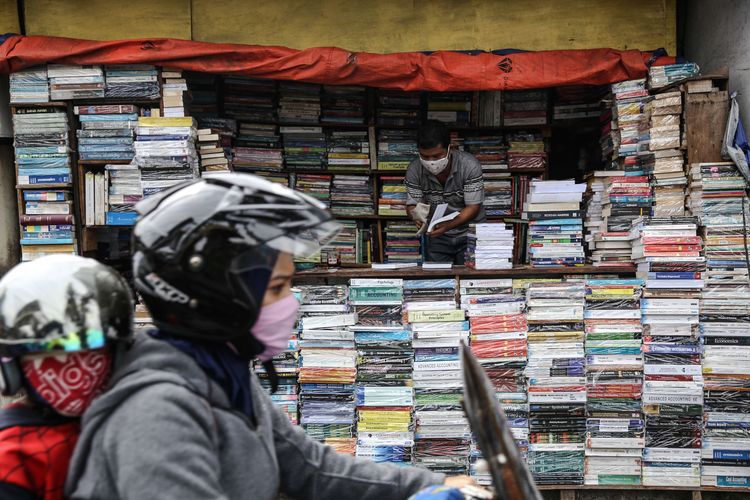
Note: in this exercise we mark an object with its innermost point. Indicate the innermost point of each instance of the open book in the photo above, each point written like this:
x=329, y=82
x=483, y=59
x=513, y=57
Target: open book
x=439, y=216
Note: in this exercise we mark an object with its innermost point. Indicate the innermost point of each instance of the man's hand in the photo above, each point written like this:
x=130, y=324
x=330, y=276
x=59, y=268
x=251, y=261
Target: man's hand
x=438, y=230
x=459, y=481
x=419, y=224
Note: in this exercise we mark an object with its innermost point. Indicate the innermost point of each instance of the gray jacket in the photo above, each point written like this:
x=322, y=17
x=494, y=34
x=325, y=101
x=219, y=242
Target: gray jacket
x=166, y=430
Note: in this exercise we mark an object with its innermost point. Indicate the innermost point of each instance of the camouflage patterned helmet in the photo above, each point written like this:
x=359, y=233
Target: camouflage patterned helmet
x=63, y=303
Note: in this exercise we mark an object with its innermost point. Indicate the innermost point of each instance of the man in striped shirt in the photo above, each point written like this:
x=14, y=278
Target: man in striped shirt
x=443, y=174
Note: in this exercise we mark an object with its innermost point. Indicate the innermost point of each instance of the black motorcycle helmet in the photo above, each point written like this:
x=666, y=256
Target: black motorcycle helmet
x=203, y=253
x=60, y=303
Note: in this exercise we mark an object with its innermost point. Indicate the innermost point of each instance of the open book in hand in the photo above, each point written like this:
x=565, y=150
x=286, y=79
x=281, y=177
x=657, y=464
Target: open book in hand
x=438, y=217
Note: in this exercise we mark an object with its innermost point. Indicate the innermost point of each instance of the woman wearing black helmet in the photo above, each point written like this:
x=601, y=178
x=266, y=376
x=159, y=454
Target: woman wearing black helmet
x=185, y=419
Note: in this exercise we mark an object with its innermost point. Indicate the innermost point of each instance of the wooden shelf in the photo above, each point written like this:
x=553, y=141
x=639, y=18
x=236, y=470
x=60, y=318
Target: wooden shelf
x=460, y=271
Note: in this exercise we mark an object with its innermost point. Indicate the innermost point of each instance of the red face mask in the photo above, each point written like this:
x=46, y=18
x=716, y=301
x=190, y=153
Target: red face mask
x=68, y=382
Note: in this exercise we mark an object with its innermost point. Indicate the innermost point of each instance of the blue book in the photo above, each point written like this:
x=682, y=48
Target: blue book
x=43, y=171
x=44, y=179
x=46, y=241
x=109, y=117
x=731, y=455
x=674, y=276
x=733, y=481
x=121, y=218
x=45, y=195
x=142, y=138
x=85, y=141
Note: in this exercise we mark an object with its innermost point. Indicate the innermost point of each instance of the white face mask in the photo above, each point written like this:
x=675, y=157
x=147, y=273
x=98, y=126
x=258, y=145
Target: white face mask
x=436, y=166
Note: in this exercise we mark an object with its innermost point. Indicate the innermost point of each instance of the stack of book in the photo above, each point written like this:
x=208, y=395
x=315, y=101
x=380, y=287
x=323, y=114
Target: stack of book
x=498, y=194
x=251, y=100
x=165, y=152
x=385, y=397
x=398, y=108
x=317, y=186
x=213, y=156
x=327, y=366
x=442, y=435
x=593, y=222
x=352, y=195
x=299, y=103
x=174, y=87
x=343, y=105
x=490, y=150
x=489, y=246
x=124, y=190
x=137, y=81
x=348, y=150
x=75, y=82
x=668, y=254
x=304, y=147
x=577, y=102
x=204, y=96
x=717, y=196
x=526, y=151
x=525, y=108
x=453, y=108
x=667, y=173
x=626, y=197
x=40, y=140
x=257, y=147
x=614, y=380
x=47, y=225
x=396, y=149
x=629, y=112
x=661, y=76
x=499, y=341
x=402, y=243
x=553, y=209
x=29, y=86
x=106, y=132
x=557, y=382
x=392, y=199
x=350, y=246
x=490, y=108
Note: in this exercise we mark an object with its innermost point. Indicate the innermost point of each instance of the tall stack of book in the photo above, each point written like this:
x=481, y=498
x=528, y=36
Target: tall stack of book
x=327, y=366
x=392, y=199
x=352, y=195
x=106, y=131
x=614, y=382
x=499, y=341
x=717, y=196
x=398, y=108
x=47, y=223
x=628, y=119
x=593, y=222
x=385, y=397
x=348, y=150
x=204, y=96
x=40, y=139
x=525, y=108
x=165, y=152
x=135, y=81
x=343, y=105
x=498, y=194
x=124, y=190
x=304, y=147
x=257, y=147
x=442, y=437
x=668, y=254
x=526, y=150
x=453, y=108
x=667, y=173
x=401, y=242
x=557, y=382
x=251, y=100
x=213, y=156
x=490, y=108
x=489, y=246
x=75, y=82
x=352, y=245
x=396, y=149
x=317, y=186
x=174, y=86
x=299, y=103
x=490, y=150
x=29, y=86
x=553, y=209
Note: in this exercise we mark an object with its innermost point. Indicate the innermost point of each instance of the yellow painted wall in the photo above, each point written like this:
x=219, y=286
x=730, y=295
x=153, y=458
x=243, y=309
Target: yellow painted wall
x=8, y=16
x=370, y=25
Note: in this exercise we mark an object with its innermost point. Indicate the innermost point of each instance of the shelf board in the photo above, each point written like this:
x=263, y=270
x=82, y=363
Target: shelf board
x=416, y=272
x=44, y=186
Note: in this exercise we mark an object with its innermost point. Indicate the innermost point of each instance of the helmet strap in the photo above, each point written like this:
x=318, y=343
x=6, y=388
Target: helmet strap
x=11, y=377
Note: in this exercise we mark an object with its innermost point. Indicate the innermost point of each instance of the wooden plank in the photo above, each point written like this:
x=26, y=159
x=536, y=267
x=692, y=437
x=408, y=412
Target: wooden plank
x=567, y=495
x=705, y=120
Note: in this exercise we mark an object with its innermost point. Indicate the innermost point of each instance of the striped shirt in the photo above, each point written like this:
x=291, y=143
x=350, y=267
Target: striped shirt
x=464, y=186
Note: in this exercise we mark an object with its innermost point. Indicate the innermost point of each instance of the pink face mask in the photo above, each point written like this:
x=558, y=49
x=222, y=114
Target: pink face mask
x=274, y=326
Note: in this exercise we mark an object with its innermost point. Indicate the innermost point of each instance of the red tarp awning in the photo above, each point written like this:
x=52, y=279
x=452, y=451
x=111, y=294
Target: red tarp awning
x=438, y=71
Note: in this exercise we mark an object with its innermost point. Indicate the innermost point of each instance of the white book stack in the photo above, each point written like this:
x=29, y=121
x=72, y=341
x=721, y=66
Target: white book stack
x=490, y=246
x=174, y=86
